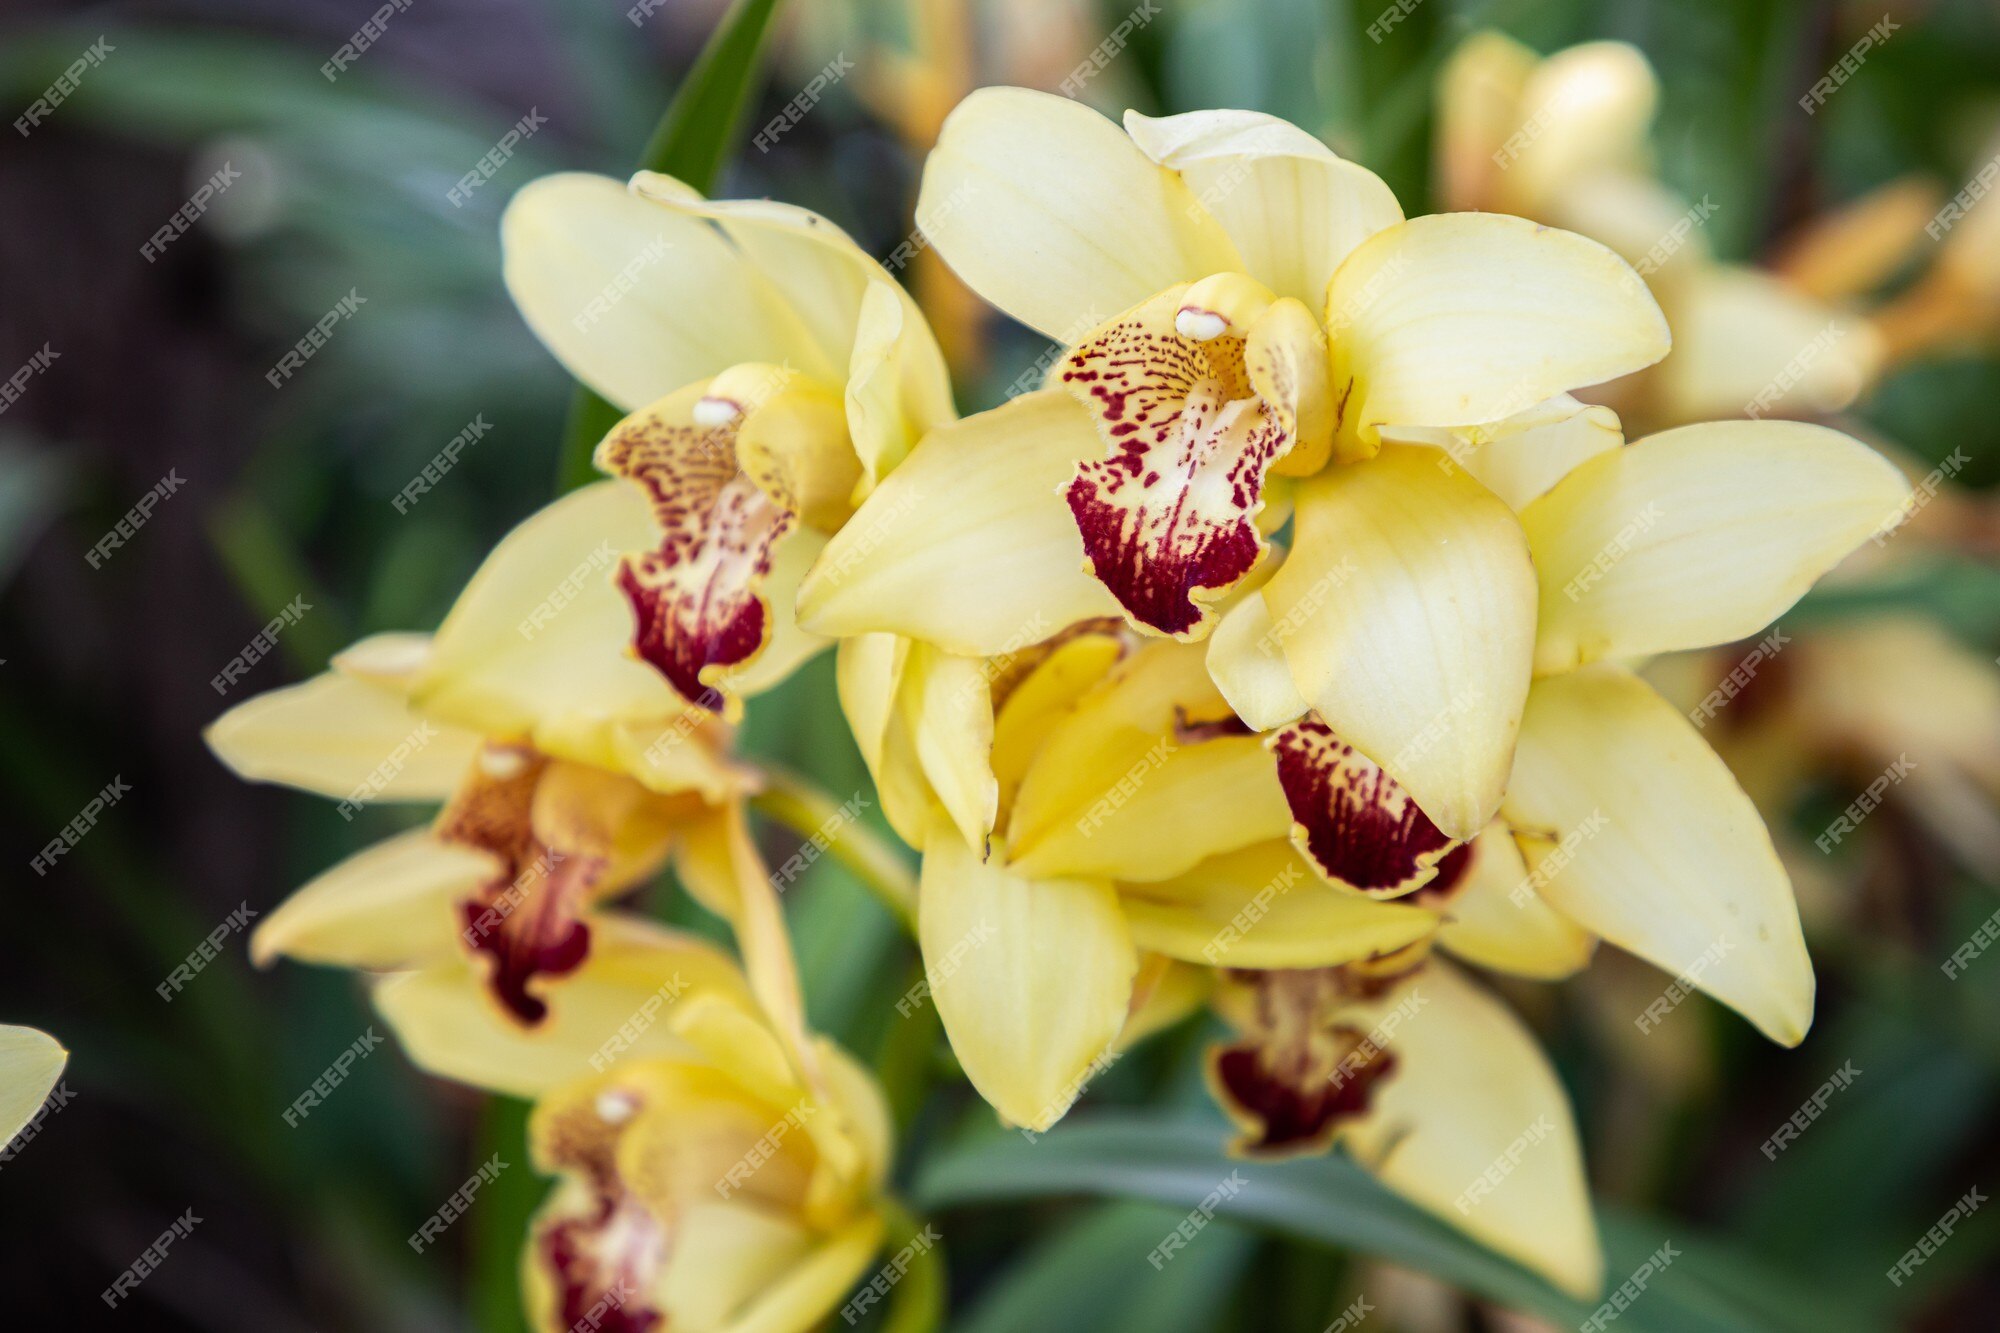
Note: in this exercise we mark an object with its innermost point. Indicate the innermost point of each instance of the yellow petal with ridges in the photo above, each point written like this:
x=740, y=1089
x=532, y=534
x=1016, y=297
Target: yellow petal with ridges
x=1053, y=214
x=1473, y=1125
x=968, y=544
x=1462, y=318
x=1637, y=831
x=817, y=270
x=341, y=736
x=1292, y=207
x=1032, y=977
x=624, y=291
x=1420, y=659
x=390, y=906
x=1698, y=536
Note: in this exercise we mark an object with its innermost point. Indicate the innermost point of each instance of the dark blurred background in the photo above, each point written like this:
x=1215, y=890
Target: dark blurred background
x=159, y=375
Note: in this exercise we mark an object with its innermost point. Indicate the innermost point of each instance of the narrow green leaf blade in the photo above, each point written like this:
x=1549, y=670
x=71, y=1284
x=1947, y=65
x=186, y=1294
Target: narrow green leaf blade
x=695, y=135
x=1332, y=1201
x=692, y=140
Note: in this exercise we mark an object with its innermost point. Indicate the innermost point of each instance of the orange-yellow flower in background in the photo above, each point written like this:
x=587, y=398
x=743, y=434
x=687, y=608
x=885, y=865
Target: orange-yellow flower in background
x=1563, y=140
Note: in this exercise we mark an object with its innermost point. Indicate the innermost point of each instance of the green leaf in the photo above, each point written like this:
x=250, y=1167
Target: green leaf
x=918, y=1303
x=1087, y=1278
x=695, y=134
x=1332, y=1201
x=691, y=142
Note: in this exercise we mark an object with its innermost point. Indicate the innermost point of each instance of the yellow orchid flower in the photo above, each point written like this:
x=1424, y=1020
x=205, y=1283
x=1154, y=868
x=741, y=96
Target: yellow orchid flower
x=30, y=1063
x=1686, y=539
x=1244, y=313
x=1433, y=1086
x=1087, y=812
x=1562, y=140
x=1139, y=842
x=566, y=774
x=1078, y=802
x=773, y=372
x=714, y=1191
x=729, y=1179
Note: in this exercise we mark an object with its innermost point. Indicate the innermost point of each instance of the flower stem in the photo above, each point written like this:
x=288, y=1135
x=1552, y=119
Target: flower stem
x=918, y=1306
x=802, y=807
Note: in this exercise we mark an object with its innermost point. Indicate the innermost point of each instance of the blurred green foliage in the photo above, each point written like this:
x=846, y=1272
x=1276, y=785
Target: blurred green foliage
x=346, y=189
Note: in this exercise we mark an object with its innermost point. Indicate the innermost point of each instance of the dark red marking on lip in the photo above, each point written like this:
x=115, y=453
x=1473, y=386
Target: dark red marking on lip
x=602, y=1292
x=1452, y=875
x=1361, y=828
x=604, y=1256
x=695, y=600
x=1171, y=511
x=546, y=943
x=1299, y=1113
x=1297, y=1074
x=525, y=920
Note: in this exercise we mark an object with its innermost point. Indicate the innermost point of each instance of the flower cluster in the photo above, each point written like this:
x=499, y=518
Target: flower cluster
x=1275, y=655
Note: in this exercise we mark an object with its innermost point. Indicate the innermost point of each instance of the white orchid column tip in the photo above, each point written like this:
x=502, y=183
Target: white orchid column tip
x=711, y=412
x=1200, y=325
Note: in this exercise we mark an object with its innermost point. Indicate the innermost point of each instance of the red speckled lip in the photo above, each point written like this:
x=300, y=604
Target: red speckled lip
x=1359, y=827
x=604, y=1253
x=695, y=599
x=525, y=919
x=540, y=940
x=1298, y=1114
x=1171, y=512
x=1297, y=1075
x=598, y=1263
